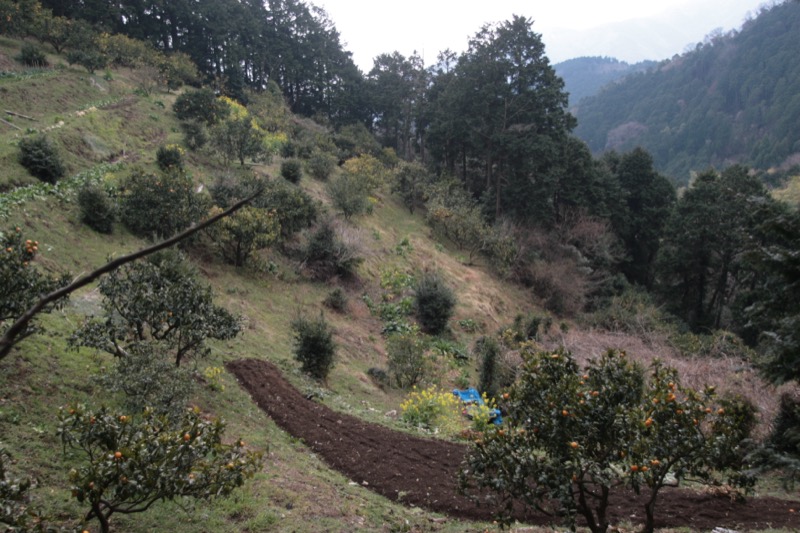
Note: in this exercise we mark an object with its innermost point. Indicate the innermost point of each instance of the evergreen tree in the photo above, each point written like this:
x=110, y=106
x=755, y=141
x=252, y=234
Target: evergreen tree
x=646, y=198
x=502, y=118
x=700, y=263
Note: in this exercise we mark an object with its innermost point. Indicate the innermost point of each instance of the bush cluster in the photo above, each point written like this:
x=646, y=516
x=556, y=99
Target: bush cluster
x=434, y=303
x=408, y=363
x=160, y=205
x=42, y=159
x=487, y=350
x=169, y=157
x=314, y=347
x=328, y=254
x=31, y=55
x=336, y=300
x=98, y=210
x=292, y=170
x=320, y=165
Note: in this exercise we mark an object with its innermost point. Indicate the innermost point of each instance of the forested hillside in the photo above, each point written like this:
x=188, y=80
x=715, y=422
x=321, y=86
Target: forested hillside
x=731, y=100
x=240, y=279
x=585, y=76
x=243, y=43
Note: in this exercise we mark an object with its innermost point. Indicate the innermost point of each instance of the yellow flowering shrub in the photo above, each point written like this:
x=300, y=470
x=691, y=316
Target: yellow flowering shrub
x=481, y=414
x=213, y=375
x=237, y=110
x=432, y=409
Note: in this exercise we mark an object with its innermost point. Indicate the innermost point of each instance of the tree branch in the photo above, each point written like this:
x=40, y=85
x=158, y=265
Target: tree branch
x=11, y=336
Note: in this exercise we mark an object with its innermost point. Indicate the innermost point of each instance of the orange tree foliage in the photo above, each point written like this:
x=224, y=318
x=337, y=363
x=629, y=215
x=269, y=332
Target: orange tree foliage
x=573, y=436
x=133, y=462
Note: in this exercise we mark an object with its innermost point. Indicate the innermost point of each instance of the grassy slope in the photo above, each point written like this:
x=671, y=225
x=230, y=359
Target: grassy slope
x=98, y=120
x=295, y=492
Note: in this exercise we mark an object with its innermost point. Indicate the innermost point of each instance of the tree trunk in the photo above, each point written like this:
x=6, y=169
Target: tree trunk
x=650, y=510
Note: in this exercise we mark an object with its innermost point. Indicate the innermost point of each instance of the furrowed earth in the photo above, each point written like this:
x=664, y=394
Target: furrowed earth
x=422, y=472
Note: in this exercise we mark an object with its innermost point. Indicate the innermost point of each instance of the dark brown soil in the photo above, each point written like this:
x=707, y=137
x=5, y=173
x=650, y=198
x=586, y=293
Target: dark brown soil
x=422, y=472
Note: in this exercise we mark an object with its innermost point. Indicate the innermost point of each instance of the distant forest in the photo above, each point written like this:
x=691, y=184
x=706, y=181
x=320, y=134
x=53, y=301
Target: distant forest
x=734, y=99
x=586, y=76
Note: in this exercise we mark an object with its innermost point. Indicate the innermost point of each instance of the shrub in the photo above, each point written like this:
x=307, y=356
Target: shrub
x=160, y=205
x=633, y=312
x=453, y=214
x=130, y=463
x=434, y=303
x=349, y=195
x=294, y=209
x=379, y=376
x=292, y=170
x=169, y=157
x=201, y=105
x=526, y=328
x=238, y=236
x=148, y=378
x=487, y=350
x=410, y=182
x=433, y=410
x=320, y=165
x=573, y=436
x=330, y=253
x=41, y=158
x=178, y=69
x=314, y=346
x=408, y=363
x=336, y=300
x=31, y=56
x=98, y=210
x=195, y=135
x=367, y=171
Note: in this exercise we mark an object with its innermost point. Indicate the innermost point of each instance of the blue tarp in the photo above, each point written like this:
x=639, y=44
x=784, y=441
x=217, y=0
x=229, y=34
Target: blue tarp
x=471, y=396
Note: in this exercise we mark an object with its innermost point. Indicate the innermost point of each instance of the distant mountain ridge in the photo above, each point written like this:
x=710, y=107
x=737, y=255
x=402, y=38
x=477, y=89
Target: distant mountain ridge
x=585, y=76
x=733, y=99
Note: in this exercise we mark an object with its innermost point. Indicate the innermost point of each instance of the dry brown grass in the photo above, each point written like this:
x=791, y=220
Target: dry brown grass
x=728, y=374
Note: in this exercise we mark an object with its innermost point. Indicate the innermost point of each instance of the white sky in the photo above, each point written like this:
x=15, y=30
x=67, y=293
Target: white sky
x=630, y=30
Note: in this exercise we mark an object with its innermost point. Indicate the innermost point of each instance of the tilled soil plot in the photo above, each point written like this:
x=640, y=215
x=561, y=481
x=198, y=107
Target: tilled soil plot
x=422, y=472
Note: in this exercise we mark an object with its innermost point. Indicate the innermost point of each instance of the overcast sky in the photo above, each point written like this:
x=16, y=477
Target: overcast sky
x=630, y=30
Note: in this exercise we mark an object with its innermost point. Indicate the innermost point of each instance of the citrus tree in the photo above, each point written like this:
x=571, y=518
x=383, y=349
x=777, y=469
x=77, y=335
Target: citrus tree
x=21, y=282
x=238, y=136
x=160, y=205
x=572, y=436
x=161, y=300
x=130, y=463
x=249, y=230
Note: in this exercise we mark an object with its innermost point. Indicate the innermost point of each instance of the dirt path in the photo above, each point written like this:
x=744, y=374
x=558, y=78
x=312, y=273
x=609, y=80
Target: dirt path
x=422, y=472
